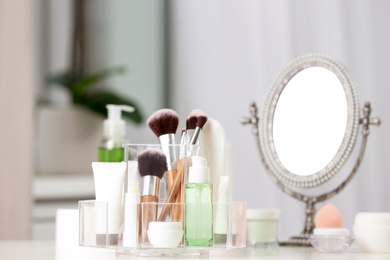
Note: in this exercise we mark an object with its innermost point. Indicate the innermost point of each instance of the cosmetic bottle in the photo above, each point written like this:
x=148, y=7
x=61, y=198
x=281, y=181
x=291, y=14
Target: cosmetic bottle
x=114, y=131
x=198, y=208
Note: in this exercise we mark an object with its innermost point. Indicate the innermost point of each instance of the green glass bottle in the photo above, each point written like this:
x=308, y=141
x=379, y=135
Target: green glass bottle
x=116, y=154
x=198, y=230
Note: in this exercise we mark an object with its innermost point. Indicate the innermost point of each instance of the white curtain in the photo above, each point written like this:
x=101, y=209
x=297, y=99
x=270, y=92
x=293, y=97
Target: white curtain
x=226, y=53
x=16, y=117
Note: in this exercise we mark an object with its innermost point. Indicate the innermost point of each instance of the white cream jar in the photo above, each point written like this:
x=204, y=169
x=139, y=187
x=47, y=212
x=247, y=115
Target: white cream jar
x=372, y=232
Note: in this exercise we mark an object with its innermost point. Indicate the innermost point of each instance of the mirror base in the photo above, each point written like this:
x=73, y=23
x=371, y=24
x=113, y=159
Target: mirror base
x=300, y=240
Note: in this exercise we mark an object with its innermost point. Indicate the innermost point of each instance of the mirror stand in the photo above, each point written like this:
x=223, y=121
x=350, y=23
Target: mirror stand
x=303, y=238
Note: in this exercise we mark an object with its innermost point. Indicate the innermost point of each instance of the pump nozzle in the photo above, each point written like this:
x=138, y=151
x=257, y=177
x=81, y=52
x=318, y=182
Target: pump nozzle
x=114, y=125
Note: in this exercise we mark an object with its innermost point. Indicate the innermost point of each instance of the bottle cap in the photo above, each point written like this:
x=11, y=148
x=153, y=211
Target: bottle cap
x=198, y=161
x=114, y=125
x=199, y=172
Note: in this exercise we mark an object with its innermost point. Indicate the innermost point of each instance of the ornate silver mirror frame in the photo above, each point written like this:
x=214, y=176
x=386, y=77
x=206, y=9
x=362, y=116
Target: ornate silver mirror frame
x=283, y=178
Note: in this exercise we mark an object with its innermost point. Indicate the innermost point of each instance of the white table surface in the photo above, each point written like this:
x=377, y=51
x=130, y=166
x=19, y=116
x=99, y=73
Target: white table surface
x=45, y=250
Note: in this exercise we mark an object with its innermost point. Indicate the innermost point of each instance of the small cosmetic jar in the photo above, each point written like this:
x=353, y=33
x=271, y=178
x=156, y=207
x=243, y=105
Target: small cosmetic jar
x=372, y=232
x=165, y=234
x=262, y=227
x=331, y=240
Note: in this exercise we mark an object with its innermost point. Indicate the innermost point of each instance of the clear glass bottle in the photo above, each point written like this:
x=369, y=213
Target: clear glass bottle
x=199, y=208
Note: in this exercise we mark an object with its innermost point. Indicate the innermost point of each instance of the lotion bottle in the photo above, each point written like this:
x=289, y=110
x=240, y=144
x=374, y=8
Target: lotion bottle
x=199, y=207
x=114, y=131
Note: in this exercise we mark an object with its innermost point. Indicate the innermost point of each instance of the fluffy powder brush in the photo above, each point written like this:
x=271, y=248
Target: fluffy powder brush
x=151, y=165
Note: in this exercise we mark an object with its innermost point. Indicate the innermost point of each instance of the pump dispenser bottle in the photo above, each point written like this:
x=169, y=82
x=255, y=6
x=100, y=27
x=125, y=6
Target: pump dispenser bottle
x=199, y=208
x=114, y=132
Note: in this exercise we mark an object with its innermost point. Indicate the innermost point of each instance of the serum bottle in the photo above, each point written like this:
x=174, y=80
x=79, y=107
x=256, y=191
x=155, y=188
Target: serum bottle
x=199, y=208
x=114, y=131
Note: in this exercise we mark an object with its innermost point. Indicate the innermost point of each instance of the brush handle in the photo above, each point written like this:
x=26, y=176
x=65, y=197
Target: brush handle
x=176, y=212
x=170, y=175
x=175, y=189
x=195, y=137
x=177, y=209
x=148, y=213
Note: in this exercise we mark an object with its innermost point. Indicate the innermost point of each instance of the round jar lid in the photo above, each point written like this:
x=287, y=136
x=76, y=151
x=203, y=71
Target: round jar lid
x=165, y=225
x=372, y=219
x=262, y=214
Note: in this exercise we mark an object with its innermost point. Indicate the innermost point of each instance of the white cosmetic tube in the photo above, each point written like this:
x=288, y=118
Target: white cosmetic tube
x=221, y=211
x=132, y=200
x=130, y=232
x=109, y=179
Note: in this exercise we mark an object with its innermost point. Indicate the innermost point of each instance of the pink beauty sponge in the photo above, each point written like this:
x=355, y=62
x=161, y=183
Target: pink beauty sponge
x=329, y=217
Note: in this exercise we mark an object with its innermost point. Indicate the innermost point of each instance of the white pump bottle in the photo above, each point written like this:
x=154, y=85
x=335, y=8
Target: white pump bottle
x=114, y=132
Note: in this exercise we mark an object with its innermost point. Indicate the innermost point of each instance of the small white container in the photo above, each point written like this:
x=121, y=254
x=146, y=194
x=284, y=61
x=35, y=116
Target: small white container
x=372, y=232
x=165, y=234
x=262, y=227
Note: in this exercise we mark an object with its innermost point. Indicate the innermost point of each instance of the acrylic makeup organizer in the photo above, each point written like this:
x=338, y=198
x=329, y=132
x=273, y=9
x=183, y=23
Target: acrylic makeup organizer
x=101, y=226
x=95, y=230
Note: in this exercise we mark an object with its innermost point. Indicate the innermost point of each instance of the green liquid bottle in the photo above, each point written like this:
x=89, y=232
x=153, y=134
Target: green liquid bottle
x=111, y=155
x=114, y=131
x=198, y=230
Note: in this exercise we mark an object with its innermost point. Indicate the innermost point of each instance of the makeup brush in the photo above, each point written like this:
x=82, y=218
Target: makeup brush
x=191, y=124
x=151, y=166
x=201, y=119
x=164, y=124
x=182, y=143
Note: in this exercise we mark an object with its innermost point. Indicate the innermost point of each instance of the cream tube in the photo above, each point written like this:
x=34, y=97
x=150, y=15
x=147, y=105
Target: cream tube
x=221, y=211
x=109, y=179
x=132, y=200
x=130, y=232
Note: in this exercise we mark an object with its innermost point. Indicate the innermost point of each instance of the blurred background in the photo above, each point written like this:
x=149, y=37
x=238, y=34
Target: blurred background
x=218, y=56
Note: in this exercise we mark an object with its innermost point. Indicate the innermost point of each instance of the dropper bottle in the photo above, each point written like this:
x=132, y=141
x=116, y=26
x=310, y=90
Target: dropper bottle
x=198, y=205
x=114, y=132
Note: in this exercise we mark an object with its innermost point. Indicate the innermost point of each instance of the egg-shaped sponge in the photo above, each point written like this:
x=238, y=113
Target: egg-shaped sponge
x=329, y=217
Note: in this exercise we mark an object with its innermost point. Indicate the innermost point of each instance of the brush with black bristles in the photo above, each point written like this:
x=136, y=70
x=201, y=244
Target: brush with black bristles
x=201, y=119
x=164, y=124
x=151, y=166
x=191, y=125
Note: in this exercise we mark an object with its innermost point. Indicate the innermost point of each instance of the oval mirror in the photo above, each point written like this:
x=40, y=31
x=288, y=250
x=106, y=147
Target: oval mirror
x=309, y=122
x=308, y=130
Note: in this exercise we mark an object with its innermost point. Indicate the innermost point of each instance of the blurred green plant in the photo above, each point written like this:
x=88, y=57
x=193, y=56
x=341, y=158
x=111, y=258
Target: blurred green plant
x=84, y=92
